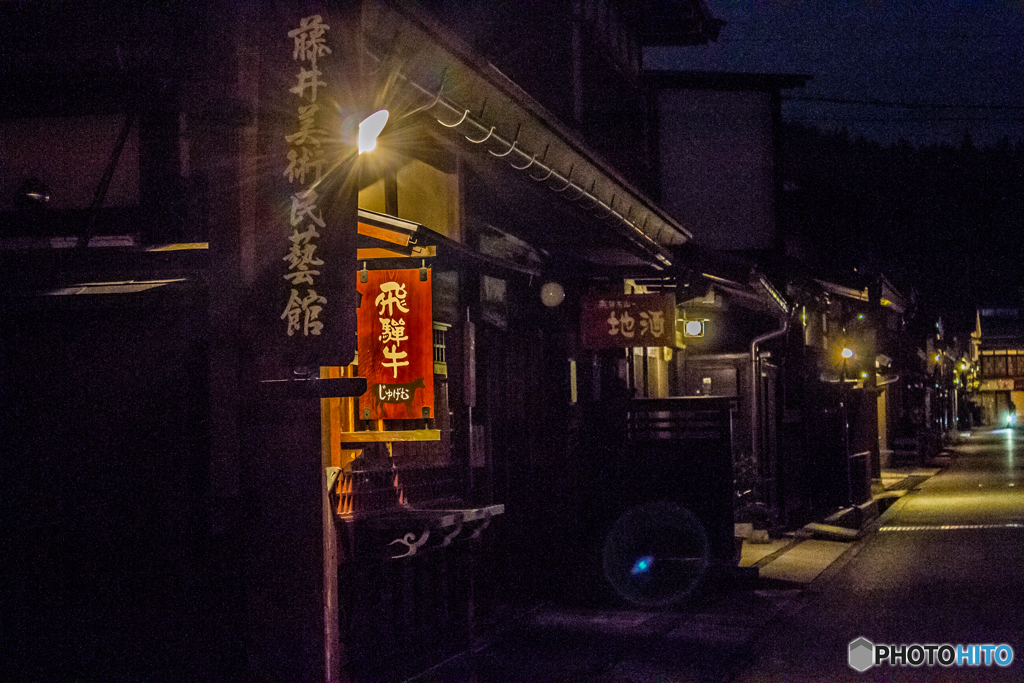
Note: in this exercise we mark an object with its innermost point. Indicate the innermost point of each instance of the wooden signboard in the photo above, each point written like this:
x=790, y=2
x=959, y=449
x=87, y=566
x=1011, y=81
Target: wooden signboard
x=625, y=320
x=305, y=240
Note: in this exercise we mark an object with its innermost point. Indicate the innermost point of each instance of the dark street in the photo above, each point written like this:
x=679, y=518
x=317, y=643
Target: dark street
x=939, y=567
x=943, y=567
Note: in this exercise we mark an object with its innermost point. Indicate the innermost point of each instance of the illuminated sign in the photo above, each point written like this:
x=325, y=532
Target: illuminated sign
x=396, y=344
x=626, y=320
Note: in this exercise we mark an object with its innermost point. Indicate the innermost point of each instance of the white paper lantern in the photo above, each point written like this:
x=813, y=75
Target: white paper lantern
x=552, y=294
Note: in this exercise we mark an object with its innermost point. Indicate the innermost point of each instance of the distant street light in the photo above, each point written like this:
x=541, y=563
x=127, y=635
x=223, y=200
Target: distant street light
x=847, y=354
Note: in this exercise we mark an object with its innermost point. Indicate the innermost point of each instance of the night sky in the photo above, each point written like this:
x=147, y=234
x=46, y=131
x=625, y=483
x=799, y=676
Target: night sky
x=942, y=68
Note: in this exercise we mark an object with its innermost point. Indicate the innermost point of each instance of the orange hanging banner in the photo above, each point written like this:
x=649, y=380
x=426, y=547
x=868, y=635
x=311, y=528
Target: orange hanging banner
x=396, y=344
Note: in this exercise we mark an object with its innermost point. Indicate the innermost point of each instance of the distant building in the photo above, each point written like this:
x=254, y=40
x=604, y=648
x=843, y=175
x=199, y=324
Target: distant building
x=999, y=359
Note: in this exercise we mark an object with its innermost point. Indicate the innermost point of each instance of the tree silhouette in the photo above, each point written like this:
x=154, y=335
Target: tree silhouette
x=945, y=222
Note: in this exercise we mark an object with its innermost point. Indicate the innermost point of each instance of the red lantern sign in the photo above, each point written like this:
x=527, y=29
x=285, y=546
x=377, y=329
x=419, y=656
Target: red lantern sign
x=396, y=344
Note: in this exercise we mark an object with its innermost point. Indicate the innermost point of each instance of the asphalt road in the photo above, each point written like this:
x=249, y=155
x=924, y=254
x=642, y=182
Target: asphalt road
x=946, y=565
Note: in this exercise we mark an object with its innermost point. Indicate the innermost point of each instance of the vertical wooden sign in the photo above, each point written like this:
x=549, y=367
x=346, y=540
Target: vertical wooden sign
x=305, y=244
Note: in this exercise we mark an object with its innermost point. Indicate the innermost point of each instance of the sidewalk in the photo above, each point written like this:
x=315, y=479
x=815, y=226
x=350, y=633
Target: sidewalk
x=808, y=552
x=707, y=641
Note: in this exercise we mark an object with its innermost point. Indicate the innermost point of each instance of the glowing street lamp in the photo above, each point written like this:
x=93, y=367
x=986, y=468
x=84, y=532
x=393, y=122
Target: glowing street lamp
x=370, y=128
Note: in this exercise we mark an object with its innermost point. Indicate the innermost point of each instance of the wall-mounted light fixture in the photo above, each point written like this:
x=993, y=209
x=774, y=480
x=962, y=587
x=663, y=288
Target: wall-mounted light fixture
x=693, y=328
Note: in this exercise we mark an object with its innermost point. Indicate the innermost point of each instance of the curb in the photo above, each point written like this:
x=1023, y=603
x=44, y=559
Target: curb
x=849, y=525
x=855, y=548
x=901, y=498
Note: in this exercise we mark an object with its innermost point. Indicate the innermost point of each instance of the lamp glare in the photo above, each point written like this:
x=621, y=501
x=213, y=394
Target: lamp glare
x=847, y=353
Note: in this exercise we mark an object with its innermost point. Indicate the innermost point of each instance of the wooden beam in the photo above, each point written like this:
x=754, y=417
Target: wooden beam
x=395, y=435
x=417, y=252
x=379, y=233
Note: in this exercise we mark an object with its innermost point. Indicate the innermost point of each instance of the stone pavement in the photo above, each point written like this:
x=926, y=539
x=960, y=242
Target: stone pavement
x=710, y=639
